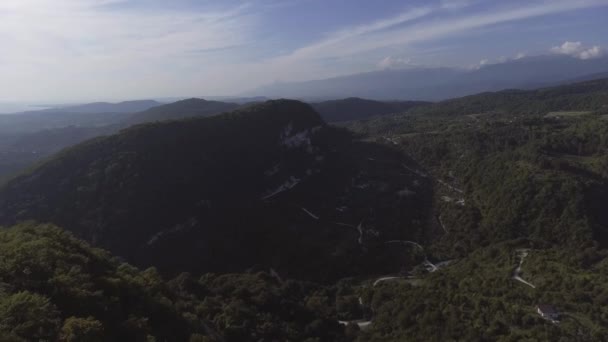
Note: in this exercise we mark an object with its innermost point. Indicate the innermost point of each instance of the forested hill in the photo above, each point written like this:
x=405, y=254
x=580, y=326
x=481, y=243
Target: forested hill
x=528, y=163
x=358, y=109
x=267, y=185
x=520, y=185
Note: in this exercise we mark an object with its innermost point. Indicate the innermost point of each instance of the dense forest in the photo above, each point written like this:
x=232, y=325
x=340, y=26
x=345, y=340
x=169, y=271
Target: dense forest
x=57, y=288
x=531, y=176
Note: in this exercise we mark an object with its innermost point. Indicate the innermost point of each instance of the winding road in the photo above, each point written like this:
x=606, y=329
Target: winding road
x=522, y=254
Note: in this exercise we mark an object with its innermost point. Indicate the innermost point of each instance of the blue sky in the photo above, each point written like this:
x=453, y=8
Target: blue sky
x=81, y=50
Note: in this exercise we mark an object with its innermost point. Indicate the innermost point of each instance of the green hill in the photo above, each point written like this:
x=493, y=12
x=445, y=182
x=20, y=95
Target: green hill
x=523, y=173
x=507, y=178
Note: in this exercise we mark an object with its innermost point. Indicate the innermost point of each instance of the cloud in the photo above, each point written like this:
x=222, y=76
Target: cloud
x=578, y=50
x=594, y=52
x=351, y=34
x=480, y=64
x=568, y=48
x=394, y=63
x=499, y=60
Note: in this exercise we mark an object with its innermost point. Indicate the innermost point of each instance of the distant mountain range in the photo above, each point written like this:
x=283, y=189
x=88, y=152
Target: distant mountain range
x=432, y=84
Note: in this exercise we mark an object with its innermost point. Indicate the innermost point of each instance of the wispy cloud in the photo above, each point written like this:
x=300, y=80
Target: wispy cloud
x=352, y=34
x=370, y=39
x=424, y=24
x=84, y=43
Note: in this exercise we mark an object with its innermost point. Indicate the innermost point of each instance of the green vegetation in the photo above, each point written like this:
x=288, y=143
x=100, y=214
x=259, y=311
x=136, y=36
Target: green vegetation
x=54, y=285
x=57, y=288
x=476, y=299
x=527, y=181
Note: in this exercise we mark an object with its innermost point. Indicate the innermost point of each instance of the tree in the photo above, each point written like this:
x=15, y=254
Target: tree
x=29, y=316
x=81, y=329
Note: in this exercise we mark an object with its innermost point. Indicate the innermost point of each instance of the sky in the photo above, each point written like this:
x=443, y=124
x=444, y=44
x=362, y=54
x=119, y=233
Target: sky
x=87, y=50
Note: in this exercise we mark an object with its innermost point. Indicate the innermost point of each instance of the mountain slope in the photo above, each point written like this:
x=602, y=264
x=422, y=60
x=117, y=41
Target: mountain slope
x=270, y=184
